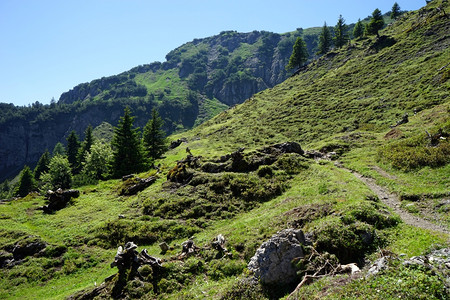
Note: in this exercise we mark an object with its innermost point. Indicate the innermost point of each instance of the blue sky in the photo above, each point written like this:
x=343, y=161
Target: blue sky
x=49, y=46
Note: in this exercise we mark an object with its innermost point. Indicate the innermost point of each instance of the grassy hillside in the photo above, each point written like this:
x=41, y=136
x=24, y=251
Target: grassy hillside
x=346, y=105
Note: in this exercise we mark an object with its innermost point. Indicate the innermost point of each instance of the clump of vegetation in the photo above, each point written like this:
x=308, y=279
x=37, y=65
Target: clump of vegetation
x=426, y=149
x=117, y=232
x=353, y=234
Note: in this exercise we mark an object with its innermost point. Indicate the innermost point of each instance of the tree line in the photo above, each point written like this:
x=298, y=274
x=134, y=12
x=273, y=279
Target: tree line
x=83, y=162
x=341, y=37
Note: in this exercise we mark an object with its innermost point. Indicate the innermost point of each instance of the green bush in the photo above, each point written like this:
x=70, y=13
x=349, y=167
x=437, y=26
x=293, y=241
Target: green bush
x=349, y=242
x=218, y=269
x=370, y=213
x=417, y=152
x=292, y=163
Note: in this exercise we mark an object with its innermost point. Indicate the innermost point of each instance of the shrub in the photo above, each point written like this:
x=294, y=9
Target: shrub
x=417, y=152
x=292, y=163
x=218, y=269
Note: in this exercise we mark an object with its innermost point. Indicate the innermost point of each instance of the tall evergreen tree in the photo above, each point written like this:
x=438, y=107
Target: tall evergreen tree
x=395, y=12
x=42, y=165
x=299, y=54
x=358, y=31
x=154, y=140
x=340, y=33
x=127, y=148
x=376, y=22
x=73, y=146
x=26, y=182
x=325, y=40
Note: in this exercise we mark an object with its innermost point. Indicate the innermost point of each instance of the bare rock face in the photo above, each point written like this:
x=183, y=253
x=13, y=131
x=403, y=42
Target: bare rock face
x=272, y=262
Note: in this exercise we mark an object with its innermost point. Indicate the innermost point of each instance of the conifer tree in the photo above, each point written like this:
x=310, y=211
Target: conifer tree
x=325, y=40
x=154, y=140
x=299, y=54
x=73, y=146
x=26, y=182
x=395, y=12
x=85, y=147
x=358, y=31
x=376, y=22
x=59, y=149
x=127, y=148
x=42, y=165
x=340, y=33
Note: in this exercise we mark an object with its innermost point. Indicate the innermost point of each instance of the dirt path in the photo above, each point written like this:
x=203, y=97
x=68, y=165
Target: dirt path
x=391, y=200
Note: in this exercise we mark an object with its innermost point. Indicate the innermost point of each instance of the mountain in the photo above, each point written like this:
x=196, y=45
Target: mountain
x=344, y=164
x=198, y=80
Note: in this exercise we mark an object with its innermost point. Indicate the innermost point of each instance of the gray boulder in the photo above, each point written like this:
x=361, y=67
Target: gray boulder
x=273, y=261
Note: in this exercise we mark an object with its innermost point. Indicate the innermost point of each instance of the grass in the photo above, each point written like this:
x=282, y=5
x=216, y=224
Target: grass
x=344, y=102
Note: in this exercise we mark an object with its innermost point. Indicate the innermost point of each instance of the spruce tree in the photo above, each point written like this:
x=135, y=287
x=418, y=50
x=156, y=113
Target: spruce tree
x=73, y=146
x=42, y=165
x=299, y=54
x=85, y=147
x=376, y=22
x=59, y=149
x=26, y=182
x=340, y=33
x=325, y=40
x=154, y=140
x=127, y=148
x=395, y=12
x=358, y=31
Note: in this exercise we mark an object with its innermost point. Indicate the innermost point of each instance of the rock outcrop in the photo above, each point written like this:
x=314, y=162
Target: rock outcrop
x=273, y=261
x=59, y=199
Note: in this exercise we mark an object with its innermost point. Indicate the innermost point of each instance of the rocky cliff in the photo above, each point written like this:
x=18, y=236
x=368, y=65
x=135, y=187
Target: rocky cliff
x=197, y=80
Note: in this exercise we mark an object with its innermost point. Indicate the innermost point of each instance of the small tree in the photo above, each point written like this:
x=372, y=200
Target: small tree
x=325, y=40
x=73, y=146
x=98, y=161
x=154, y=138
x=26, y=182
x=340, y=33
x=59, y=149
x=395, y=12
x=358, y=31
x=299, y=54
x=42, y=165
x=376, y=22
x=85, y=147
x=60, y=172
x=127, y=148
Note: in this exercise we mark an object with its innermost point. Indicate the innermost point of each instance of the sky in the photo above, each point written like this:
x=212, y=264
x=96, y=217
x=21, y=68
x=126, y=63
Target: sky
x=49, y=46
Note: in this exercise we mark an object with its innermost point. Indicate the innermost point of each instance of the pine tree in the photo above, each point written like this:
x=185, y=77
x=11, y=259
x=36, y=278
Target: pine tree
x=395, y=12
x=85, y=147
x=59, y=149
x=376, y=22
x=127, y=149
x=325, y=40
x=358, y=31
x=42, y=165
x=73, y=146
x=26, y=182
x=340, y=33
x=299, y=54
x=154, y=140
